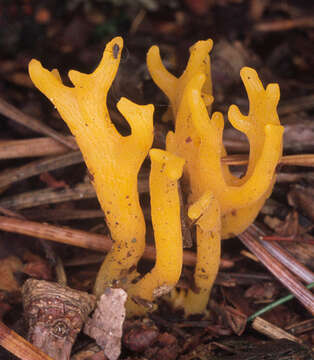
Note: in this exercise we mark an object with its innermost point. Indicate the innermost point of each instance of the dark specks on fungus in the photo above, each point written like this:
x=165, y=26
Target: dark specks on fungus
x=115, y=51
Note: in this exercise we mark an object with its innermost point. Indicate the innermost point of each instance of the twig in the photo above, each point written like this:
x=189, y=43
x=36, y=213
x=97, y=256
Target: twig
x=301, y=103
x=298, y=160
x=48, y=196
x=18, y=346
x=272, y=331
x=286, y=259
x=61, y=214
x=295, y=177
x=11, y=149
x=53, y=196
x=9, y=177
x=283, y=25
x=236, y=146
x=293, y=160
x=278, y=270
x=15, y=114
x=75, y=237
x=301, y=327
x=239, y=278
x=11, y=213
x=283, y=256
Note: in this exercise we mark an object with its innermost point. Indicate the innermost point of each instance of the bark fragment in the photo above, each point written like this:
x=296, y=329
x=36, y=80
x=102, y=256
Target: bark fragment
x=55, y=316
x=107, y=321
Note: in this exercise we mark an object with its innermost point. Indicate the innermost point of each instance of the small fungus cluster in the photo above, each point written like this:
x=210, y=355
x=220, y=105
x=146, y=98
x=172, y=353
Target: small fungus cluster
x=219, y=204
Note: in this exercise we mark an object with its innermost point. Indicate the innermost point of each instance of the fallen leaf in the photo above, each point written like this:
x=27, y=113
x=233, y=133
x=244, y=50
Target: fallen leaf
x=260, y=291
x=8, y=267
x=236, y=320
x=51, y=182
x=139, y=338
x=302, y=198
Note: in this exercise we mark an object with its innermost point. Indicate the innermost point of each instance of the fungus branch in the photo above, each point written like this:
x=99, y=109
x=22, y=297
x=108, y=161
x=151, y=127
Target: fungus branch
x=166, y=169
x=113, y=160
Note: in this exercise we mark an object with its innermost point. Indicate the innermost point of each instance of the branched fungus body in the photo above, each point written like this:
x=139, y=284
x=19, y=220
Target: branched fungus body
x=198, y=139
x=219, y=204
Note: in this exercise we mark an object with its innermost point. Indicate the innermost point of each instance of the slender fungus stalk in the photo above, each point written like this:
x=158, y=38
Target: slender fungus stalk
x=166, y=169
x=206, y=213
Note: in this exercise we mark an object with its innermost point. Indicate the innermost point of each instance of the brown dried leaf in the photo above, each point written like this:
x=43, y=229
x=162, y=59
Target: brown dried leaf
x=107, y=321
x=303, y=199
x=198, y=7
x=260, y=291
x=236, y=320
x=4, y=308
x=139, y=338
x=166, y=348
x=8, y=267
x=51, y=182
x=36, y=266
x=38, y=269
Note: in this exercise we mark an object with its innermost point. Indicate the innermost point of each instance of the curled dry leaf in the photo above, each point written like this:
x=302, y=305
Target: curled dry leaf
x=302, y=198
x=139, y=338
x=261, y=291
x=36, y=266
x=8, y=267
x=107, y=321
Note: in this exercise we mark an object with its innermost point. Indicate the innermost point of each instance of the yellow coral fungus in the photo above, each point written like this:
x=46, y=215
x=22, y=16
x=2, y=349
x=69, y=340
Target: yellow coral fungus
x=220, y=204
x=113, y=160
x=198, y=139
x=166, y=169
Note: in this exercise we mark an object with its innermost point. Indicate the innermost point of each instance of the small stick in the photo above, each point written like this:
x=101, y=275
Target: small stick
x=12, y=149
x=284, y=257
x=11, y=213
x=293, y=160
x=236, y=146
x=281, y=25
x=18, y=346
x=15, y=114
x=289, y=261
x=48, y=196
x=298, y=160
x=9, y=177
x=61, y=214
x=75, y=237
x=301, y=327
x=278, y=270
x=300, y=103
x=55, y=315
x=53, y=196
x=272, y=331
x=295, y=177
